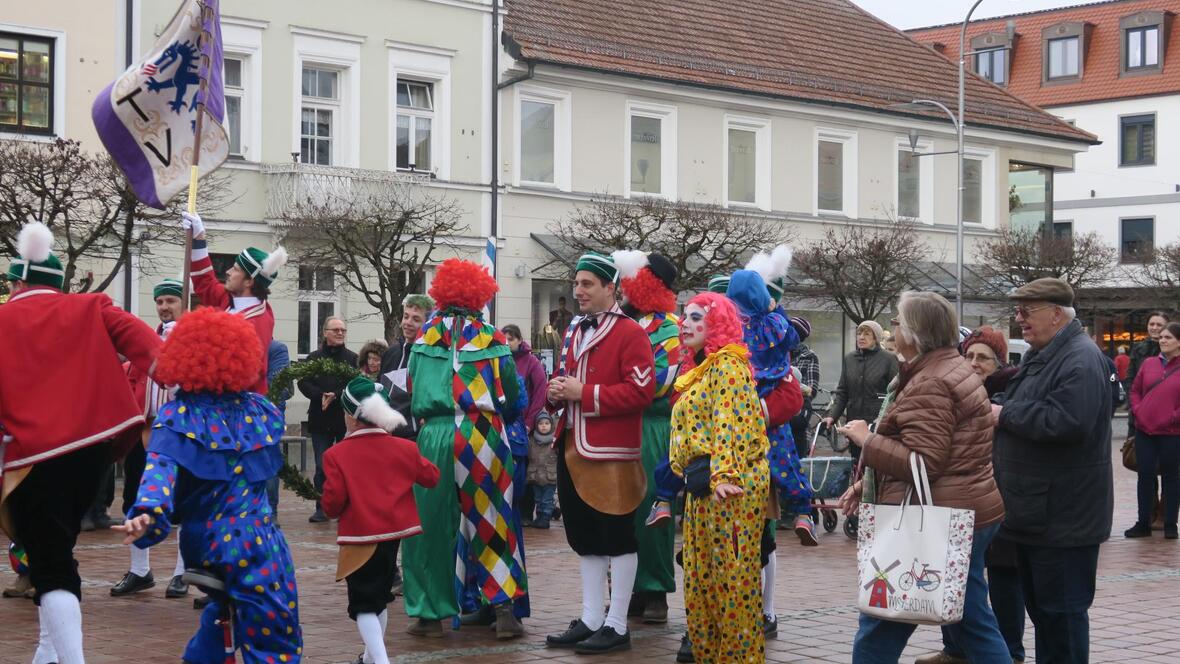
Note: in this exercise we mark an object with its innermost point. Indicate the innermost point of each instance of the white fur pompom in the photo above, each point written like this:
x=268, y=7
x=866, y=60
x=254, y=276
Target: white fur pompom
x=773, y=265
x=35, y=242
x=629, y=262
x=276, y=260
x=375, y=410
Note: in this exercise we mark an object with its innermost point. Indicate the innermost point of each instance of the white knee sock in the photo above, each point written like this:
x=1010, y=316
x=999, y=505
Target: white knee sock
x=179, y=569
x=768, y=584
x=622, y=582
x=45, y=653
x=384, y=618
x=369, y=626
x=141, y=561
x=62, y=614
x=593, y=590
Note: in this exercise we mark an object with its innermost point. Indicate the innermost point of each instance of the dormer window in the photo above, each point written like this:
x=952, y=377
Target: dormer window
x=993, y=56
x=1064, y=52
x=1142, y=43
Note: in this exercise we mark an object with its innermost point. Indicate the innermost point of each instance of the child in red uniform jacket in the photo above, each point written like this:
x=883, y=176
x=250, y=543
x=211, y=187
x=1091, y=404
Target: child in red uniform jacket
x=368, y=485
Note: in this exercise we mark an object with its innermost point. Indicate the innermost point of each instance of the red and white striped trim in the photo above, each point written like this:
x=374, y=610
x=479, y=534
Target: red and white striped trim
x=77, y=444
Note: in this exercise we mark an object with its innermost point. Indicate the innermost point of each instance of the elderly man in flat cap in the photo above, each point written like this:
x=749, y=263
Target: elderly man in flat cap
x=1052, y=462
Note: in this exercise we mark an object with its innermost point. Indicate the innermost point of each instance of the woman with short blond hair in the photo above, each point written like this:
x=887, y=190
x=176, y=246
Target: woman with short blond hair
x=942, y=413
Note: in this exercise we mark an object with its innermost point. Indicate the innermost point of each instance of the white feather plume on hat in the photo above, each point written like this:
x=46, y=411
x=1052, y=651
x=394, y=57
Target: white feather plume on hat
x=374, y=409
x=34, y=243
x=773, y=265
x=274, y=260
x=629, y=262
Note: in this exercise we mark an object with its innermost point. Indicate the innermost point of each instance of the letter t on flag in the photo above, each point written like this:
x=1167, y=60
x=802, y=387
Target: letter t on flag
x=147, y=117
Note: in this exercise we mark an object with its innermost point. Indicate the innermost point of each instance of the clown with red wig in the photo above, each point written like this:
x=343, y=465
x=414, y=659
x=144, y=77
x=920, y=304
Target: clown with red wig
x=462, y=379
x=646, y=281
x=719, y=447
x=211, y=452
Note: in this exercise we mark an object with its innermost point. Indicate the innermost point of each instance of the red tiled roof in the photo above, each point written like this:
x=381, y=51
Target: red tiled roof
x=819, y=51
x=1100, y=70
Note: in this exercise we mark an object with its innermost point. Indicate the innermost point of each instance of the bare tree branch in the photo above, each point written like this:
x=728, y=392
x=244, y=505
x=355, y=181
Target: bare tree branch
x=379, y=242
x=861, y=269
x=1015, y=258
x=699, y=239
x=88, y=203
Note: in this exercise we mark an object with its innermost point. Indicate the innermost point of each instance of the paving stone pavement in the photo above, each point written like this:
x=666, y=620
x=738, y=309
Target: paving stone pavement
x=1134, y=619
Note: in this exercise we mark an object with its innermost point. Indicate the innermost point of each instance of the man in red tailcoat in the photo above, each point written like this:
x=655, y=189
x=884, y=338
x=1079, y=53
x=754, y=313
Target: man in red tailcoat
x=607, y=379
x=67, y=406
x=246, y=288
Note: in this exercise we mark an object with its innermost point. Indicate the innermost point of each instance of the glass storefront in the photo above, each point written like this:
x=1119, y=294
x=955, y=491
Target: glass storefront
x=1030, y=196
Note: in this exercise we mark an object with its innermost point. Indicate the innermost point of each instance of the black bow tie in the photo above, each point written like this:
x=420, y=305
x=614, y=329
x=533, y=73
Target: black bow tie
x=588, y=322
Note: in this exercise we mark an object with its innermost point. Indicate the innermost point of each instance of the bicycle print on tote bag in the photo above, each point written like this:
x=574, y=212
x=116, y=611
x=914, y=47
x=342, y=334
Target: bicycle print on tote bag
x=913, y=559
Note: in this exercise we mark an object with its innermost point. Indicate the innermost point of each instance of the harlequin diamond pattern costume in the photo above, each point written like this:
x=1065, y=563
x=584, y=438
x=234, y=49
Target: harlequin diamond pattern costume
x=462, y=377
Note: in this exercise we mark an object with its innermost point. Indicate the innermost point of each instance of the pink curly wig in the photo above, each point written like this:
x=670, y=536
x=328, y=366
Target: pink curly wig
x=460, y=283
x=211, y=351
x=647, y=293
x=722, y=322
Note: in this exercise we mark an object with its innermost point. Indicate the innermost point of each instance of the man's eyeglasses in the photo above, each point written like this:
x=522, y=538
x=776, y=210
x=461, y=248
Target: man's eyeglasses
x=1024, y=311
x=337, y=330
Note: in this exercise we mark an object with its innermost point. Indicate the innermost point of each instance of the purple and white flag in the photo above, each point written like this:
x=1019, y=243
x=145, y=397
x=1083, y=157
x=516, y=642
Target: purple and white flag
x=147, y=117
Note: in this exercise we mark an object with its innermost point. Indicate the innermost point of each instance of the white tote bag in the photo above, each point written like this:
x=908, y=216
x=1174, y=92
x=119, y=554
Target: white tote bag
x=913, y=559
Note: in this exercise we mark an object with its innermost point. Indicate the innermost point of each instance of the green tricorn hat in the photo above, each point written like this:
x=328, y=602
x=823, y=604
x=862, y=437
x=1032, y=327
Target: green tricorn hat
x=369, y=402
x=603, y=266
x=36, y=263
x=261, y=266
x=168, y=287
x=719, y=283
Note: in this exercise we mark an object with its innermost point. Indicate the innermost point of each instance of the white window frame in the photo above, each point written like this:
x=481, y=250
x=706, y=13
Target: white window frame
x=562, y=135
x=668, y=141
x=988, y=185
x=431, y=65
x=60, y=98
x=315, y=298
x=242, y=40
x=761, y=129
x=925, y=181
x=342, y=53
x=332, y=106
x=849, y=175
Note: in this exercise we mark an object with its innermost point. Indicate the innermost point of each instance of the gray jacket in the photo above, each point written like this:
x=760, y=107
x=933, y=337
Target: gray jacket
x=1052, y=447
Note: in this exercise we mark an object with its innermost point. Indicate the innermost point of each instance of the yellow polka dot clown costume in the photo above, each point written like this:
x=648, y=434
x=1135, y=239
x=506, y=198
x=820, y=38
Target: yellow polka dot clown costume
x=211, y=452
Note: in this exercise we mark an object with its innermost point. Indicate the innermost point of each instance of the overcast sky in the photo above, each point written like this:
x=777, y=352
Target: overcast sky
x=907, y=14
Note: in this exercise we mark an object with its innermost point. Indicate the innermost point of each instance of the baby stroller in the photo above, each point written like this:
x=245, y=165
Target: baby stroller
x=830, y=477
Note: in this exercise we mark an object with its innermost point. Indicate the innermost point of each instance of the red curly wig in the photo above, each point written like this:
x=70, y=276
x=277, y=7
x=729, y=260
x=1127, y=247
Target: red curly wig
x=460, y=283
x=647, y=293
x=211, y=351
x=723, y=326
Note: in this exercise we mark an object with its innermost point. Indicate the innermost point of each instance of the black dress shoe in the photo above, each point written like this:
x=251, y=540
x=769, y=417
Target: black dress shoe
x=769, y=627
x=176, y=588
x=133, y=583
x=1170, y=531
x=577, y=632
x=1137, y=530
x=684, y=655
x=317, y=517
x=604, y=640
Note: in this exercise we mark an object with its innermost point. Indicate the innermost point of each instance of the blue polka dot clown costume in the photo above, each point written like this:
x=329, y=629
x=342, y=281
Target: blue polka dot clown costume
x=211, y=452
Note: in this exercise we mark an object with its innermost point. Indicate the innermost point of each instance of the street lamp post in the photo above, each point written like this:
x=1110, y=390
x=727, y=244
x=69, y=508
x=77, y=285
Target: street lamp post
x=958, y=124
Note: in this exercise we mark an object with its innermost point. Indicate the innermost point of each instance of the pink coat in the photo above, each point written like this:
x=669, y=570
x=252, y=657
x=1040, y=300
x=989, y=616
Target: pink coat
x=1157, y=413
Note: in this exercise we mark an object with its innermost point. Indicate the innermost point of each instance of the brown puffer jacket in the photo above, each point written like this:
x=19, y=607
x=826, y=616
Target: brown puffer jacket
x=941, y=412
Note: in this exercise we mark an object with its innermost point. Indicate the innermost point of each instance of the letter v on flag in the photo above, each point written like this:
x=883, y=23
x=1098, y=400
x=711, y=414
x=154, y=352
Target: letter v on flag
x=147, y=117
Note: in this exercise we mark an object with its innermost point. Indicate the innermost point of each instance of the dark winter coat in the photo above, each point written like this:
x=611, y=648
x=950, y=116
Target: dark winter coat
x=398, y=357
x=330, y=420
x=529, y=367
x=1052, y=447
x=864, y=379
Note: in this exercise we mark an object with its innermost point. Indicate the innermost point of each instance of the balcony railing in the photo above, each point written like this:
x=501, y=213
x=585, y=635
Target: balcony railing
x=288, y=185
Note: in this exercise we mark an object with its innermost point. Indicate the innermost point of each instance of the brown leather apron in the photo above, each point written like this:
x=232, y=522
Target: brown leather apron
x=611, y=487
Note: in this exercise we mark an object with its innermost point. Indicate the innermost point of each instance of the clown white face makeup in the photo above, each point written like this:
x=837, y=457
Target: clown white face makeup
x=693, y=328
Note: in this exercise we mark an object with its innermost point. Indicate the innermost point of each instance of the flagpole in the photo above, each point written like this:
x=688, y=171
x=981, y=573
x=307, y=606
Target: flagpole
x=194, y=170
